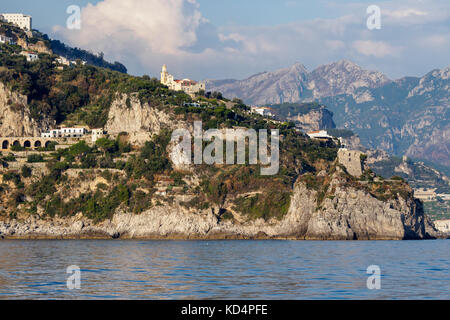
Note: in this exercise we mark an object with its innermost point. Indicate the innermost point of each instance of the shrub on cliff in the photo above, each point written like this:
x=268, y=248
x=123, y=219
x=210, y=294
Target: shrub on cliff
x=32, y=158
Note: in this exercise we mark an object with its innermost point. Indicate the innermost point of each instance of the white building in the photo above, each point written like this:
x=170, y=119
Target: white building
x=64, y=133
x=62, y=60
x=320, y=134
x=97, y=134
x=22, y=20
x=189, y=86
x=425, y=194
x=6, y=40
x=192, y=104
x=31, y=57
x=263, y=111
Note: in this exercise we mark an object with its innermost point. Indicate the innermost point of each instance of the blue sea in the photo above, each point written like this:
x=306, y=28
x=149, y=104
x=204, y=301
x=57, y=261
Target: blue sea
x=224, y=269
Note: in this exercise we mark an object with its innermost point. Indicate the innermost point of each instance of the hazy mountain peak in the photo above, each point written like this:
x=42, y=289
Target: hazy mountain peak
x=443, y=73
x=341, y=64
x=295, y=83
x=344, y=77
x=299, y=67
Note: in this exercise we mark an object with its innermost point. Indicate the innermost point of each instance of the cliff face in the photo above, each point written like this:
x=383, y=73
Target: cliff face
x=39, y=46
x=140, y=121
x=15, y=117
x=352, y=214
x=315, y=120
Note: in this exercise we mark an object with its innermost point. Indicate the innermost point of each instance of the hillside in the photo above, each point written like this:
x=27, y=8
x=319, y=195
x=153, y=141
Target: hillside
x=406, y=116
x=128, y=184
x=39, y=42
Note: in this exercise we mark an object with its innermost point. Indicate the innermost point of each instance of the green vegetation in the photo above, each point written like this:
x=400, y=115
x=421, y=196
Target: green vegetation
x=120, y=191
x=32, y=158
x=76, y=53
x=26, y=171
x=274, y=204
x=421, y=176
x=99, y=179
x=12, y=176
x=437, y=210
x=81, y=94
x=152, y=159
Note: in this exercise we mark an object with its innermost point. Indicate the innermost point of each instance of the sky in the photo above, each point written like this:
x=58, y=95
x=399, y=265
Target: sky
x=221, y=39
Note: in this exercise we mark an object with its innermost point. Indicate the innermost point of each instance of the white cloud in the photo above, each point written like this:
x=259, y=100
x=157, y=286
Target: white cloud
x=409, y=12
x=378, y=49
x=139, y=26
x=144, y=34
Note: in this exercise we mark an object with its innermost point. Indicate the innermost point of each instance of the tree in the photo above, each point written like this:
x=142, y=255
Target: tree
x=26, y=171
x=106, y=145
x=79, y=149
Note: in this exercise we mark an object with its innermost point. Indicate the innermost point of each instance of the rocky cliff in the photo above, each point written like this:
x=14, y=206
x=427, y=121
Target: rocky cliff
x=15, y=117
x=315, y=120
x=349, y=215
x=139, y=120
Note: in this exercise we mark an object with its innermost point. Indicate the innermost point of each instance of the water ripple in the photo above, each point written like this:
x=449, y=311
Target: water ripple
x=224, y=269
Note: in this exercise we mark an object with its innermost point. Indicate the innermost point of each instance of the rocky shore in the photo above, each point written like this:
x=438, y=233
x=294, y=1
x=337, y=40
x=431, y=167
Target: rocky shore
x=351, y=215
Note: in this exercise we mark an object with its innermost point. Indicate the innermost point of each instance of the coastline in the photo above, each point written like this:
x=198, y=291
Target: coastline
x=351, y=215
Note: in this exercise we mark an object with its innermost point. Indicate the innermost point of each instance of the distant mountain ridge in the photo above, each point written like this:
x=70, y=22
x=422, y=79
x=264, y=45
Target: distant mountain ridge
x=295, y=84
x=405, y=116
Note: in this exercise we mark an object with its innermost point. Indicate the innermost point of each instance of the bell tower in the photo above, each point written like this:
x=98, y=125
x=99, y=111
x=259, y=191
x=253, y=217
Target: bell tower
x=164, y=74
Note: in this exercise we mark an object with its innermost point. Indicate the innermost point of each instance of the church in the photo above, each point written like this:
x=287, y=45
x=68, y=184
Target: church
x=189, y=86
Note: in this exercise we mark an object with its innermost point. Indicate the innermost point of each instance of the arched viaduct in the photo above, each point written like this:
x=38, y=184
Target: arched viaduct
x=26, y=142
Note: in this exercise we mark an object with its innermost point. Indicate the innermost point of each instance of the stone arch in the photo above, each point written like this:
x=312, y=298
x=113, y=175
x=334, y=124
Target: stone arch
x=47, y=143
x=37, y=144
x=27, y=144
x=5, y=144
x=16, y=143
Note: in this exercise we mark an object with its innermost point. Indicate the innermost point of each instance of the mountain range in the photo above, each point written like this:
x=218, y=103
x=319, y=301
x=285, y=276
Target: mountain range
x=408, y=116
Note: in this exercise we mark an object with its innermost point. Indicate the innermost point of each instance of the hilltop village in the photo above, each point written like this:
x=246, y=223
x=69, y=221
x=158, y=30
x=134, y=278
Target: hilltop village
x=87, y=153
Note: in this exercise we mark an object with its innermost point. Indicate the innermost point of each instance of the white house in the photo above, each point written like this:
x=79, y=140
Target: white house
x=62, y=60
x=425, y=194
x=6, y=40
x=31, y=57
x=22, y=20
x=65, y=133
x=263, y=111
x=98, y=134
x=321, y=134
x=192, y=104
